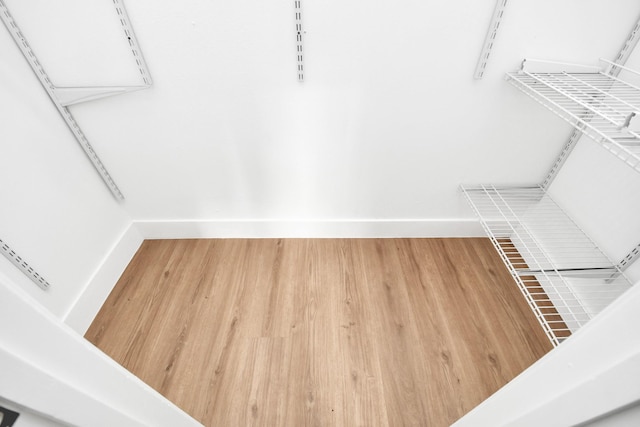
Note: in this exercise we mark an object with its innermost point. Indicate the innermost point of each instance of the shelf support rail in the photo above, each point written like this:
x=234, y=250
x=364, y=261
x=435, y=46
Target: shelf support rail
x=23, y=266
x=490, y=38
x=604, y=272
x=621, y=59
x=133, y=42
x=630, y=258
x=65, y=96
x=299, y=40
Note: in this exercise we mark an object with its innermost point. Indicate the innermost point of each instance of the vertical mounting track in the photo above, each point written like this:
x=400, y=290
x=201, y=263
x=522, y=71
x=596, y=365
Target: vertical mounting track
x=74, y=95
x=566, y=150
x=627, y=48
x=630, y=258
x=621, y=59
x=133, y=42
x=22, y=265
x=64, y=96
x=490, y=38
x=21, y=41
x=299, y=40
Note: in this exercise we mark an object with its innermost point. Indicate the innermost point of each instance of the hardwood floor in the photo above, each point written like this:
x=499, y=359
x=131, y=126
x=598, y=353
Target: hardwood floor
x=320, y=332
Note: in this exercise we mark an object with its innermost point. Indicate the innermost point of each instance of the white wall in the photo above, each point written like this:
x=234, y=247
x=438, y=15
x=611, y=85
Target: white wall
x=387, y=125
x=55, y=211
x=626, y=417
x=28, y=418
x=376, y=141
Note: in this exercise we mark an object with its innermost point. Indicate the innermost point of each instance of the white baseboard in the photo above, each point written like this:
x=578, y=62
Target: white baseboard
x=256, y=228
x=90, y=300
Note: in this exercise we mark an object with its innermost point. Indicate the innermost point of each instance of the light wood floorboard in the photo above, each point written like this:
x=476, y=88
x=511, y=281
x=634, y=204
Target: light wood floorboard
x=320, y=332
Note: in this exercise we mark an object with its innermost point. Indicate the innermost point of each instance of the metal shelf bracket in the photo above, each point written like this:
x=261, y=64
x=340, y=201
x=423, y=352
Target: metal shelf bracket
x=75, y=95
x=65, y=96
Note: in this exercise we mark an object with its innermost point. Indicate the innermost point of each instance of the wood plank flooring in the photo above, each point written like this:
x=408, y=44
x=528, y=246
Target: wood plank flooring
x=320, y=332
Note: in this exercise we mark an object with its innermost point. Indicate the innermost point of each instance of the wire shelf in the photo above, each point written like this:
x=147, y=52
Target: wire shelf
x=562, y=274
x=597, y=104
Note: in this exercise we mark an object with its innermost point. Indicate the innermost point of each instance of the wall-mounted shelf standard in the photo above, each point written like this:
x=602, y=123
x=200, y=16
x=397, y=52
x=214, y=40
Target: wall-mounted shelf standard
x=299, y=40
x=563, y=275
x=490, y=38
x=23, y=266
x=65, y=96
x=597, y=103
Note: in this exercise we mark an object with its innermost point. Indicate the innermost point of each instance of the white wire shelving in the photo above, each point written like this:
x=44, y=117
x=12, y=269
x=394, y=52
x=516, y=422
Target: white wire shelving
x=596, y=102
x=564, y=277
